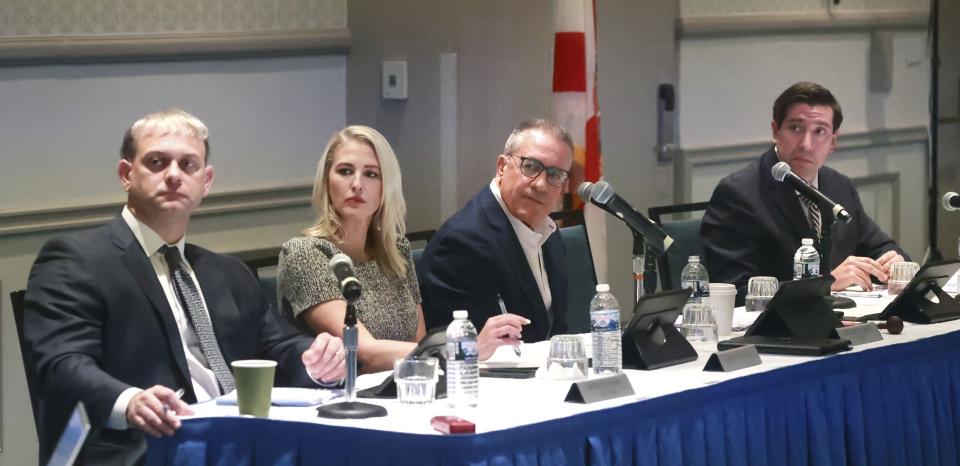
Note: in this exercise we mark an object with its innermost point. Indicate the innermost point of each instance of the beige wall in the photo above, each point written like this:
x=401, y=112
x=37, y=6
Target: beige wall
x=504, y=75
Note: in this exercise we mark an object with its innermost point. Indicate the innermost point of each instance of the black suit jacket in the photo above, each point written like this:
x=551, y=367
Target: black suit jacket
x=476, y=255
x=97, y=322
x=754, y=225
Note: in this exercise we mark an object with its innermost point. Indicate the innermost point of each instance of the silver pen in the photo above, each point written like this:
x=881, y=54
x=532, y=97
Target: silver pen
x=503, y=310
x=179, y=394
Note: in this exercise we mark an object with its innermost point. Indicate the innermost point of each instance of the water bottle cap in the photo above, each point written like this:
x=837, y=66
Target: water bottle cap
x=807, y=241
x=461, y=314
x=694, y=259
x=603, y=288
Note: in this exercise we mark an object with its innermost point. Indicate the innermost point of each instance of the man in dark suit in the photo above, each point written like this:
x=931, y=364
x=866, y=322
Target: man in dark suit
x=504, y=244
x=120, y=316
x=755, y=223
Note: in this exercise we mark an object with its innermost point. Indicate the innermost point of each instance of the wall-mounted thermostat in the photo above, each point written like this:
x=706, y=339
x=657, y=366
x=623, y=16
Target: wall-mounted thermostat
x=394, y=80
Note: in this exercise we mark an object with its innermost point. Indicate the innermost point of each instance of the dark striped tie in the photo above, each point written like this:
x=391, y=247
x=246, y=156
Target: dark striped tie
x=813, y=213
x=190, y=301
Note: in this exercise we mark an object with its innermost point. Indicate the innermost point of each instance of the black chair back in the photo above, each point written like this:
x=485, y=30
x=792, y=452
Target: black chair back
x=581, y=279
x=684, y=227
x=16, y=300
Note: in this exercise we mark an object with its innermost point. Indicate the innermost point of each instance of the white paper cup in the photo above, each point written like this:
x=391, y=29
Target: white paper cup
x=722, y=298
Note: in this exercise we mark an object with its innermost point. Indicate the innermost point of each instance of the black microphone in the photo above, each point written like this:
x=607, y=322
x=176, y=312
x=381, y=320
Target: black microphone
x=342, y=267
x=601, y=194
x=781, y=172
x=951, y=201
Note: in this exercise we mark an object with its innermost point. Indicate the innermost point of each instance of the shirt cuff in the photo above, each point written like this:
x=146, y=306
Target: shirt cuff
x=321, y=383
x=118, y=416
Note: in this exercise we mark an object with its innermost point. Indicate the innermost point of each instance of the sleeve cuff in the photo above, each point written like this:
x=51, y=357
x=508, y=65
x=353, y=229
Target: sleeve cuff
x=118, y=415
x=323, y=384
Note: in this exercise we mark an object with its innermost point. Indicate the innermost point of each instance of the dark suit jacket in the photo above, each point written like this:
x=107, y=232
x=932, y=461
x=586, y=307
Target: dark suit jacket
x=754, y=225
x=97, y=322
x=474, y=256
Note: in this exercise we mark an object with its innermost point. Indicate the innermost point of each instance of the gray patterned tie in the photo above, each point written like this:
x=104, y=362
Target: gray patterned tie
x=813, y=212
x=190, y=301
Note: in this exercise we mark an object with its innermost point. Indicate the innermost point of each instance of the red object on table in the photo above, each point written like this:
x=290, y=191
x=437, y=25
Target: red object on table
x=452, y=425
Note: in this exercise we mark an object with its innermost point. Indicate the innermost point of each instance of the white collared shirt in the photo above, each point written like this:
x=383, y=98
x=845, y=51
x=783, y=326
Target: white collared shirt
x=205, y=384
x=532, y=243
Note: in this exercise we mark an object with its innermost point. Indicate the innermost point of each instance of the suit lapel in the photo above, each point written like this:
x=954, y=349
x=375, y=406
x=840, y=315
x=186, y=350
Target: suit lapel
x=785, y=199
x=142, y=271
x=515, y=256
x=555, y=262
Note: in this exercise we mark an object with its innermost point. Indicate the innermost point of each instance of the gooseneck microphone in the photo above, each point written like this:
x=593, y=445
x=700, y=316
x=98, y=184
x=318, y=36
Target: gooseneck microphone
x=781, y=172
x=342, y=267
x=601, y=194
x=951, y=201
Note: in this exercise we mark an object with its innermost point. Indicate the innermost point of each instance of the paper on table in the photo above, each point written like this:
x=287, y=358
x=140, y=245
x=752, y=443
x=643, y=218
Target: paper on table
x=532, y=355
x=290, y=396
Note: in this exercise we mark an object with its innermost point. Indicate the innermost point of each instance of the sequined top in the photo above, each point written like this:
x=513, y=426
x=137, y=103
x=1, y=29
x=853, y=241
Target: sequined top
x=388, y=305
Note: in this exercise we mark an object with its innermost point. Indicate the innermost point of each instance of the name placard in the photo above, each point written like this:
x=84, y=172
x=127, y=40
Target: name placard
x=605, y=388
x=858, y=334
x=733, y=359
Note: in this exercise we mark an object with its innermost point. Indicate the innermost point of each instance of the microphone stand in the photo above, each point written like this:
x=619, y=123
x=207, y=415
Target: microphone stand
x=639, y=259
x=826, y=244
x=350, y=409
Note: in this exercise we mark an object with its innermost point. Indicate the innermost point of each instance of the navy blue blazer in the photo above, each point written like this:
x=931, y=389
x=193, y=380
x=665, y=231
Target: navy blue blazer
x=474, y=256
x=97, y=322
x=754, y=225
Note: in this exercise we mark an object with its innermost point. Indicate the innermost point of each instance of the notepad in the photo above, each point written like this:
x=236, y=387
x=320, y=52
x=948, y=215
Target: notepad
x=290, y=396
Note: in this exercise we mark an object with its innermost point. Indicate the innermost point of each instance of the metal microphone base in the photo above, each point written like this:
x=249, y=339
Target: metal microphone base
x=351, y=410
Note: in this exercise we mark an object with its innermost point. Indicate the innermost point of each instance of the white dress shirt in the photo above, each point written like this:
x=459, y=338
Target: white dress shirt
x=532, y=243
x=205, y=384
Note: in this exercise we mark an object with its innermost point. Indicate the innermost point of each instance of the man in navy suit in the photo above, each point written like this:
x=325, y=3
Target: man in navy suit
x=754, y=223
x=503, y=244
x=120, y=316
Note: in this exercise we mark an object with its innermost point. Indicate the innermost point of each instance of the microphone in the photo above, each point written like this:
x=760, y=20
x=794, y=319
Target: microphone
x=951, y=201
x=601, y=194
x=781, y=172
x=342, y=267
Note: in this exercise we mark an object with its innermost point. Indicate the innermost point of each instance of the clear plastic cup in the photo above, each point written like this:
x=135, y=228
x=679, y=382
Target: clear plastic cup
x=567, y=359
x=760, y=291
x=900, y=274
x=699, y=324
x=416, y=379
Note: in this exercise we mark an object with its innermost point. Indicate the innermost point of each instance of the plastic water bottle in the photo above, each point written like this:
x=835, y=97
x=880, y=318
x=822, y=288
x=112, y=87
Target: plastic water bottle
x=806, y=262
x=605, y=330
x=694, y=276
x=463, y=374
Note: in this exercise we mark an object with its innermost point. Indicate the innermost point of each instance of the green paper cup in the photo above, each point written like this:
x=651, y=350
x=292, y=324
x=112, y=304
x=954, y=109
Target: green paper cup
x=254, y=378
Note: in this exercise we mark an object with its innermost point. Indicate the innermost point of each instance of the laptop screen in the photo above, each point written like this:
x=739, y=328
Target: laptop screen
x=71, y=440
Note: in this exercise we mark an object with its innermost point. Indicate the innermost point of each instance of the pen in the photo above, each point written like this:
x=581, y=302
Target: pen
x=503, y=310
x=179, y=393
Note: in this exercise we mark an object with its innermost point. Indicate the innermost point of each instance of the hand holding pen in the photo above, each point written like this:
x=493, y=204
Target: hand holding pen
x=503, y=310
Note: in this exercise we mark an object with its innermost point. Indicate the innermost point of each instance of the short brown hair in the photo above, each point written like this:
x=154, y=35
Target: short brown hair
x=808, y=93
x=173, y=120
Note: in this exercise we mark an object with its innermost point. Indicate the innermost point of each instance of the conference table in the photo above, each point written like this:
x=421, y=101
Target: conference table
x=891, y=402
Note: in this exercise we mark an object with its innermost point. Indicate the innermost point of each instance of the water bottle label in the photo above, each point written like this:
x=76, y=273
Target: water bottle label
x=700, y=289
x=462, y=350
x=604, y=320
x=806, y=270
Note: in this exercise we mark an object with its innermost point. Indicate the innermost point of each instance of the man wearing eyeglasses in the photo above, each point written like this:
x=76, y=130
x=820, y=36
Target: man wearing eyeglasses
x=503, y=245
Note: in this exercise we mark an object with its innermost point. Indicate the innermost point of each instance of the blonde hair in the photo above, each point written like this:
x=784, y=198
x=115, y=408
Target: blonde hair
x=171, y=121
x=388, y=223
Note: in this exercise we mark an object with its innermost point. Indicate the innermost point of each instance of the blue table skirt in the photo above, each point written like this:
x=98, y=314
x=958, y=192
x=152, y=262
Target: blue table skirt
x=894, y=405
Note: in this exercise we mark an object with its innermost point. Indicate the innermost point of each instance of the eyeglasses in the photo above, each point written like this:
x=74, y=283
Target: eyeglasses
x=532, y=168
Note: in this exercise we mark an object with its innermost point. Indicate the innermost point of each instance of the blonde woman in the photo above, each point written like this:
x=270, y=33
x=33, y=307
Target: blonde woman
x=359, y=203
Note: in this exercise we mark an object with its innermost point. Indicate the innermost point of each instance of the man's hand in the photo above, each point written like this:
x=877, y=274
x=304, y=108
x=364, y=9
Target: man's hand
x=324, y=359
x=855, y=270
x=155, y=411
x=499, y=330
x=887, y=260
